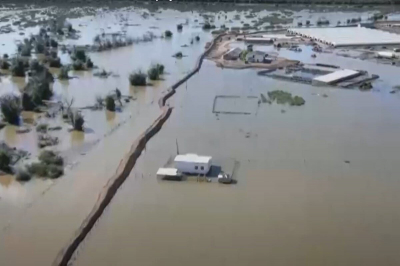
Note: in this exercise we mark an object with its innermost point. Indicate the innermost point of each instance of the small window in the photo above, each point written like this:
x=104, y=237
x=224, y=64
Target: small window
x=196, y=168
x=202, y=168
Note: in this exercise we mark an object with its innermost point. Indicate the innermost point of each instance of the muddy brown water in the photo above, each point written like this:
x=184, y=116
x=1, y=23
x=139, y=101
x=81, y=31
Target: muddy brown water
x=297, y=202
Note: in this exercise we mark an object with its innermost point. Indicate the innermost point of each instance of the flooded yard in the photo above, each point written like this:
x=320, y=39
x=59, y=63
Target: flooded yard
x=317, y=184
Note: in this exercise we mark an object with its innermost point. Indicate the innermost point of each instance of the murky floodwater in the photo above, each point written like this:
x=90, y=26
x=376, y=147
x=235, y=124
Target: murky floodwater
x=317, y=184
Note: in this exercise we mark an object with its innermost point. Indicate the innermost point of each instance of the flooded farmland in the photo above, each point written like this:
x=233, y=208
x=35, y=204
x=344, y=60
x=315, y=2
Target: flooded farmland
x=317, y=184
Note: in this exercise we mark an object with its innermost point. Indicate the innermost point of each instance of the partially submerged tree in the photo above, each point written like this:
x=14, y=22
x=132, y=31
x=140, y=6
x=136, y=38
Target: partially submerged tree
x=110, y=103
x=168, y=34
x=64, y=72
x=137, y=78
x=18, y=68
x=77, y=120
x=153, y=73
x=10, y=108
x=55, y=62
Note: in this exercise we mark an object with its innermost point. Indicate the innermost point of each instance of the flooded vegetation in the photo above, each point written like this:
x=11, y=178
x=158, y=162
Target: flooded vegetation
x=310, y=134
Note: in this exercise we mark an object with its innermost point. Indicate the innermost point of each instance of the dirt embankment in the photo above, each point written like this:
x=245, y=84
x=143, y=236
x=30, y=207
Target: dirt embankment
x=125, y=168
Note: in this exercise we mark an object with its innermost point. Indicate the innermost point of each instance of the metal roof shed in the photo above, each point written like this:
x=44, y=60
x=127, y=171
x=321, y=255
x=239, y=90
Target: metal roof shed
x=335, y=77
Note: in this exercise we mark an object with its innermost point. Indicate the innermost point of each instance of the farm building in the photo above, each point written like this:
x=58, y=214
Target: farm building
x=348, y=36
x=232, y=54
x=335, y=77
x=193, y=163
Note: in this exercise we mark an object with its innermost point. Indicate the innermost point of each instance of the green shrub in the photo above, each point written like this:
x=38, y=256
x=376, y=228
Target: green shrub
x=5, y=160
x=55, y=62
x=26, y=50
x=50, y=157
x=80, y=55
x=77, y=120
x=179, y=27
x=64, y=73
x=38, y=169
x=38, y=90
x=137, y=78
x=18, y=68
x=23, y=175
x=53, y=43
x=110, y=103
x=42, y=128
x=197, y=38
x=168, y=34
x=89, y=63
x=78, y=65
x=297, y=101
x=178, y=55
x=27, y=103
x=160, y=68
x=39, y=48
x=5, y=65
x=153, y=73
x=10, y=108
x=54, y=171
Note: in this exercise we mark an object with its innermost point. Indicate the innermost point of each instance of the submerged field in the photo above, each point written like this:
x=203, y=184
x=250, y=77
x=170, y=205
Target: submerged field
x=317, y=183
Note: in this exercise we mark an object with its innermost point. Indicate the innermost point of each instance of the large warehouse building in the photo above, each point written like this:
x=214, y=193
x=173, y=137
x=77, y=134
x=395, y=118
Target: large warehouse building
x=348, y=36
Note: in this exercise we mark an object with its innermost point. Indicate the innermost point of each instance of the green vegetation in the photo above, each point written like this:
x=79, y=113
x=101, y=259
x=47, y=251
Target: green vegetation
x=79, y=55
x=283, y=97
x=18, y=68
x=168, y=34
x=55, y=62
x=89, y=63
x=22, y=175
x=197, y=38
x=5, y=160
x=243, y=55
x=5, y=65
x=42, y=128
x=155, y=71
x=53, y=43
x=10, y=108
x=110, y=103
x=77, y=120
x=50, y=165
x=178, y=55
x=78, y=65
x=179, y=27
x=137, y=78
x=5, y=56
x=64, y=73
x=208, y=26
x=39, y=48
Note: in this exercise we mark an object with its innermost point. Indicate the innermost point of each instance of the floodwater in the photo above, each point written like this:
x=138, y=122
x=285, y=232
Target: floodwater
x=317, y=184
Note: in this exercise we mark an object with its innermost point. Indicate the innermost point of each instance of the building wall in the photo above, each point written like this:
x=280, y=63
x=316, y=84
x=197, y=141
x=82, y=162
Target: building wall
x=193, y=168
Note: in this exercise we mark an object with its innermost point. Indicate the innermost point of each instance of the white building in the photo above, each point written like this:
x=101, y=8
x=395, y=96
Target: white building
x=348, y=36
x=335, y=77
x=193, y=163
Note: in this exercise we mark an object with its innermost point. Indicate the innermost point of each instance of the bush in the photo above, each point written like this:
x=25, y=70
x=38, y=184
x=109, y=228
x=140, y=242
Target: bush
x=50, y=157
x=179, y=27
x=38, y=169
x=39, y=48
x=168, y=34
x=38, y=90
x=154, y=73
x=55, y=62
x=178, y=55
x=26, y=50
x=42, y=128
x=18, y=68
x=55, y=171
x=10, y=108
x=64, y=73
x=5, y=160
x=80, y=55
x=137, y=78
x=27, y=103
x=77, y=121
x=53, y=43
x=208, y=26
x=5, y=65
x=22, y=174
x=297, y=101
x=160, y=68
x=78, y=65
x=110, y=103
x=307, y=22
x=197, y=38
x=89, y=63
x=5, y=56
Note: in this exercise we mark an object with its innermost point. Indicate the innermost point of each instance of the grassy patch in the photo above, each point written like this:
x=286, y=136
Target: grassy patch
x=283, y=97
